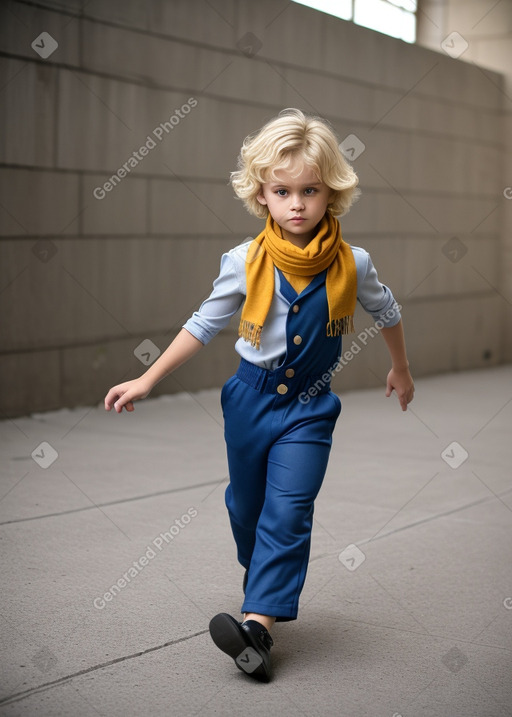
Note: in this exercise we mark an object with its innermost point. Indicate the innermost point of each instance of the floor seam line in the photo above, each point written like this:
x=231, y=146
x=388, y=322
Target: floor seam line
x=113, y=502
x=67, y=678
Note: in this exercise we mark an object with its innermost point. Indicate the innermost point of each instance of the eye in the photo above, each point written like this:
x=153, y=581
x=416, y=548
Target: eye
x=309, y=191
x=281, y=192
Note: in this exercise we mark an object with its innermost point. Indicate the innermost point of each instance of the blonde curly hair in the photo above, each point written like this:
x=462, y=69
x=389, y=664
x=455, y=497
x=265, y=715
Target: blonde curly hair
x=291, y=136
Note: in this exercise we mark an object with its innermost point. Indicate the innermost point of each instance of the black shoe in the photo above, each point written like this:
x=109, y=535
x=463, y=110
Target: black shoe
x=246, y=578
x=247, y=643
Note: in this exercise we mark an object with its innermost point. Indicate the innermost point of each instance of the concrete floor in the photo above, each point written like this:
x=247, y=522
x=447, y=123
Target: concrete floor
x=414, y=619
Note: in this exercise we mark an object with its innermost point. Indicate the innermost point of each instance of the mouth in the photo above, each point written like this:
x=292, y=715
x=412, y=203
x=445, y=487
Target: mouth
x=297, y=220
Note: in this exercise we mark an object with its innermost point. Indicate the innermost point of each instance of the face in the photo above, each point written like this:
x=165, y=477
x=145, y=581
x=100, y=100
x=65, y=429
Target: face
x=296, y=203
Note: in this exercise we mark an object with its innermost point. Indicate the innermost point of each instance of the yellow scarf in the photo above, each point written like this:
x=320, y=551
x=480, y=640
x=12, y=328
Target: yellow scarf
x=326, y=250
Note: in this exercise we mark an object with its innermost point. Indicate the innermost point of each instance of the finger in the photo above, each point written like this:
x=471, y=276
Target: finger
x=124, y=401
x=406, y=399
x=118, y=405
x=401, y=400
x=110, y=399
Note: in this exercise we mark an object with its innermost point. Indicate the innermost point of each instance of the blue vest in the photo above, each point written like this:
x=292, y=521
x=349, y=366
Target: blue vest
x=309, y=351
x=311, y=355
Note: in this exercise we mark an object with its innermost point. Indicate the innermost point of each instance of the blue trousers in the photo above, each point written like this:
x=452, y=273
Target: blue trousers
x=277, y=448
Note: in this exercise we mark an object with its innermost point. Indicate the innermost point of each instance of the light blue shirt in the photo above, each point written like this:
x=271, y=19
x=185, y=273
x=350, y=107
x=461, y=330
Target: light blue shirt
x=230, y=290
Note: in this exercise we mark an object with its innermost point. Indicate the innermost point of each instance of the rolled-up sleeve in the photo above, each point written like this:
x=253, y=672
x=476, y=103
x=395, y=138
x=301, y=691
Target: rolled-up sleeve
x=216, y=311
x=375, y=298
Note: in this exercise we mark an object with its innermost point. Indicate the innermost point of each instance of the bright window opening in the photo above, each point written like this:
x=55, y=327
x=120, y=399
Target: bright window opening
x=392, y=17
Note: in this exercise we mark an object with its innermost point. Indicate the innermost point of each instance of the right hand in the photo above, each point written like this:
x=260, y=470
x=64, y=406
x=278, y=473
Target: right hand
x=124, y=394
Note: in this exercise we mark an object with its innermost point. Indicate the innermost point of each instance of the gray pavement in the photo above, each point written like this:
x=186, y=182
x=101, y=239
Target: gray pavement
x=407, y=608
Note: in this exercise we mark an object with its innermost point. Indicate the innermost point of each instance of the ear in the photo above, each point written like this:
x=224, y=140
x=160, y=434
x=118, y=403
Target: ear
x=261, y=197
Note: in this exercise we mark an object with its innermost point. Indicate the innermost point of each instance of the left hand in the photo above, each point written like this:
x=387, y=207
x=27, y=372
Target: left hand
x=401, y=381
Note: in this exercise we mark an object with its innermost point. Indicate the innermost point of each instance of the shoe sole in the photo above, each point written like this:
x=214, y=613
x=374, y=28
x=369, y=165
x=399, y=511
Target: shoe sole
x=227, y=634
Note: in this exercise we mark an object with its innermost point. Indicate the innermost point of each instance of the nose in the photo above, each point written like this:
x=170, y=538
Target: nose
x=297, y=202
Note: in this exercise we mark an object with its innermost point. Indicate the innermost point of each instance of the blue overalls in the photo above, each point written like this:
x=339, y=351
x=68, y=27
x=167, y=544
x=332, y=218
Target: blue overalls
x=278, y=447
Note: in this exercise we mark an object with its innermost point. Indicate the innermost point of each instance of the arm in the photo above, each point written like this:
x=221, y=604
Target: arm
x=399, y=377
x=378, y=301
x=180, y=350
x=213, y=315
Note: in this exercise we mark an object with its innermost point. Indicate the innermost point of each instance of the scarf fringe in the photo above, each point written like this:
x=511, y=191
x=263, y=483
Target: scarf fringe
x=339, y=327
x=251, y=332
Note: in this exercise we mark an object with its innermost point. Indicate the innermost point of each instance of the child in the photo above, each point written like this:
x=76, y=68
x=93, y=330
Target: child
x=297, y=283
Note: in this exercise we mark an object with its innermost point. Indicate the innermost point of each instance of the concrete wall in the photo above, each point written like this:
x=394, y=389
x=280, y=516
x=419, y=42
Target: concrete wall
x=85, y=280
x=485, y=30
